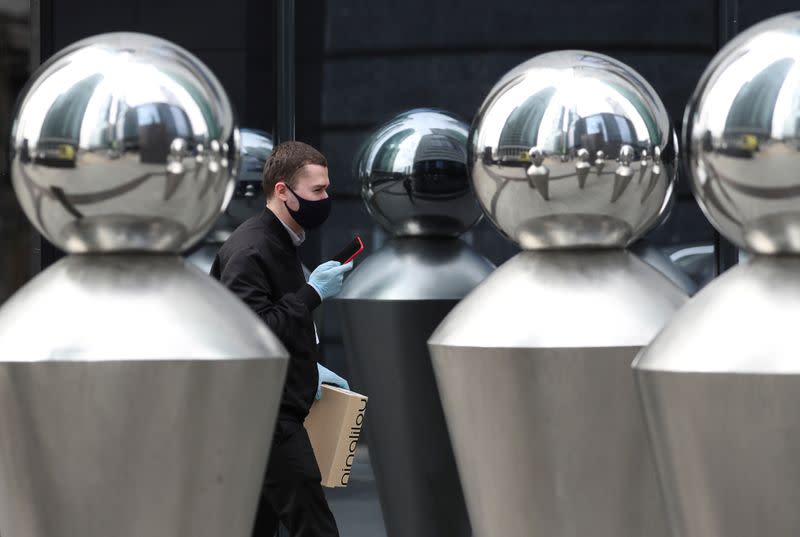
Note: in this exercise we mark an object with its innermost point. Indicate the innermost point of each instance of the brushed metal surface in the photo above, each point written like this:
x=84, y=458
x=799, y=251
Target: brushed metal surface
x=412, y=459
x=564, y=299
x=754, y=305
x=720, y=390
x=137, y=397
x=726, y=447
x=129, y=307
x=389, y=307
x=412, y=268
x=131, y=448
x=532, y=369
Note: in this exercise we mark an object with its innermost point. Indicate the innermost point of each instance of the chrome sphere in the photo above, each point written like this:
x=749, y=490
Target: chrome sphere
x=742, y=138
x=256, y=147
x=573, y=149
x=124, y=142
x=413, y=173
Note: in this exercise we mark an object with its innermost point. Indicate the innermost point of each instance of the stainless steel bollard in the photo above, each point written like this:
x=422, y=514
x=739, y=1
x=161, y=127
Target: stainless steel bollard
x=720, y=384
x=414, y=182
x=137, y=396
x=571, y=156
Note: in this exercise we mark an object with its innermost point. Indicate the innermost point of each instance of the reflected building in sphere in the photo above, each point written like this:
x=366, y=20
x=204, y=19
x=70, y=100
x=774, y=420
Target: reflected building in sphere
x=413, y=176
x=413, y=172
x=592, y=114
x=720, y=383
x=96, y=143
x=743, y=142
x=144, y=407
x=571, y=156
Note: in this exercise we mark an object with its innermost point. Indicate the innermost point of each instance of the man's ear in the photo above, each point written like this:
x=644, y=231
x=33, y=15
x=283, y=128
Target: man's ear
x=281, y=191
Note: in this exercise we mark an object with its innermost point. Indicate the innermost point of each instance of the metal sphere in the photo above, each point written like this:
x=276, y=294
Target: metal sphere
x=124, y=142
x=413, y=173
x=742, y=138
x=256, y=147
x=572, y=149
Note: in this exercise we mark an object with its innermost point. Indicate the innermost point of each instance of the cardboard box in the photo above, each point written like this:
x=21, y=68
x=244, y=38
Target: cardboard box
x=334, y=425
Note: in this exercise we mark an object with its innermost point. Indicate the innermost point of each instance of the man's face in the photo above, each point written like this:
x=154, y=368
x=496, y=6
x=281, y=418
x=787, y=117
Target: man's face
x=312, y=184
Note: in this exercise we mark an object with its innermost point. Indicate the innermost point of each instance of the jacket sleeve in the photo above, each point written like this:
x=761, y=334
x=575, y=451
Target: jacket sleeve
x=288, y=316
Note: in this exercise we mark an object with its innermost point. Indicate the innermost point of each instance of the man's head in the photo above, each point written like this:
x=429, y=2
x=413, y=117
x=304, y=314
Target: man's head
x=293, y=170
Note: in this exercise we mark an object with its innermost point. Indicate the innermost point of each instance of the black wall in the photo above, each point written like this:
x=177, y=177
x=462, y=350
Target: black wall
x=17, y=239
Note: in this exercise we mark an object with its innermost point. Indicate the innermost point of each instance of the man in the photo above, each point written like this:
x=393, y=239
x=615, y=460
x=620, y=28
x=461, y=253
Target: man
x=260, y=263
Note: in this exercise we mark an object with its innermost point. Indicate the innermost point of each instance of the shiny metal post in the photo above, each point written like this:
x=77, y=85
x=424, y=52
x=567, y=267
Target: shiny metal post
x=414, y=183
x=137, y=396
x=571, y=156
x=720, y=383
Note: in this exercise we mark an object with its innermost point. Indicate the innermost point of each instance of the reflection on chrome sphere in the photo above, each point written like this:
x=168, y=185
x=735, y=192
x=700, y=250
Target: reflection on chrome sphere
x=572, y=149
x=413, y=175
x=256, y=147
x=742, y=138
x=124, y=142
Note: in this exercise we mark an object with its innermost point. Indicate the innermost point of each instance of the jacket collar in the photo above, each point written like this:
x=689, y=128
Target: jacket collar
x=277, y=229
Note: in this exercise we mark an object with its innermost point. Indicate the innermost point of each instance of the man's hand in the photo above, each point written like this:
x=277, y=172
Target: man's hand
x=327, y=278
x=326, y=376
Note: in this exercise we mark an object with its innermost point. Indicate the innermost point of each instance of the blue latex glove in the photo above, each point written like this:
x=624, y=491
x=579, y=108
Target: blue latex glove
x=326, y=376
x=328, y=277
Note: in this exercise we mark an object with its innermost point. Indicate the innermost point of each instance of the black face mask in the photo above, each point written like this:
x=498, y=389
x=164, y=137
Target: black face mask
x=310, y=214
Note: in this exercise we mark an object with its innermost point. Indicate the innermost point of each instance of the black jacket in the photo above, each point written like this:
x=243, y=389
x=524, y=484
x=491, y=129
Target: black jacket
x=261, y=265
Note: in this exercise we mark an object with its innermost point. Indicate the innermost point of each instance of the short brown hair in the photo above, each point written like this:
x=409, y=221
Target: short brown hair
x=284, y=163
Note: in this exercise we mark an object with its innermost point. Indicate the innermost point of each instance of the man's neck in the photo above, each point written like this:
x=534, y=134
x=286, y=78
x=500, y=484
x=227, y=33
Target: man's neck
x=282, y=213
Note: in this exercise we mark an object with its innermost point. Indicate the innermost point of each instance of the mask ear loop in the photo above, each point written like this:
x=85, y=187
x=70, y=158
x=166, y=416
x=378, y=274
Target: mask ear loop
x=284, y=183
x=296, y=197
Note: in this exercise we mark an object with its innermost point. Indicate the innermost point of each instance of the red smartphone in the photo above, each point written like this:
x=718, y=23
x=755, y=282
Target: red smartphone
x=349, y=252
